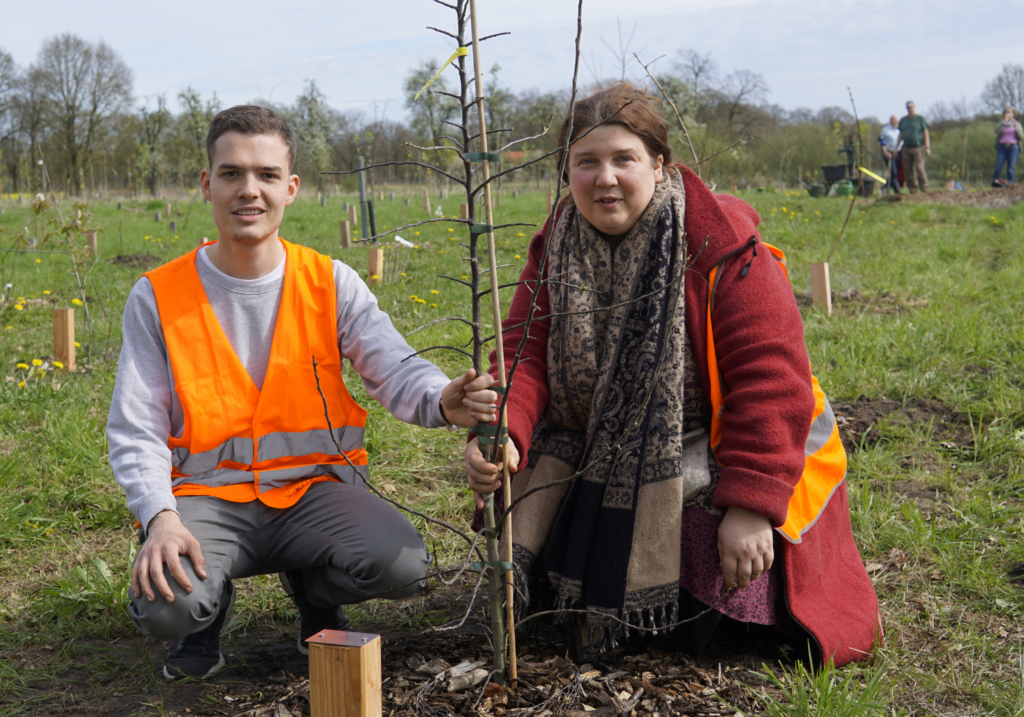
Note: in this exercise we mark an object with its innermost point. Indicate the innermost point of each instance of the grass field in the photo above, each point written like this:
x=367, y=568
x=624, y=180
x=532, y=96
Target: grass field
x=927, y=329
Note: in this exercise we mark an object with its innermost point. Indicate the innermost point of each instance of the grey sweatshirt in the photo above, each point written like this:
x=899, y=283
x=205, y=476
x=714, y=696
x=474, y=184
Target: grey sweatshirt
x=145, y=409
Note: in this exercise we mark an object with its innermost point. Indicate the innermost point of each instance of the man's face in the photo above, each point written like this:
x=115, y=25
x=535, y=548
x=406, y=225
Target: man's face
x=249, y=186
x=911, y=110
x=893, y=121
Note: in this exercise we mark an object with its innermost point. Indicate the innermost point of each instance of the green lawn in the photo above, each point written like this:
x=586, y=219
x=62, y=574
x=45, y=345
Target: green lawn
x=934, y=314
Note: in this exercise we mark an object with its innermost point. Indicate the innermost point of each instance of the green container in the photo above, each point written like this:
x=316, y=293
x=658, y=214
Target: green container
x=845, y=188
x=817, y=189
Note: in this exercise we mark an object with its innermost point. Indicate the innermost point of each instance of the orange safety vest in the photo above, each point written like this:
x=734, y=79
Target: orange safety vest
x=825, y=458
x=241, y=443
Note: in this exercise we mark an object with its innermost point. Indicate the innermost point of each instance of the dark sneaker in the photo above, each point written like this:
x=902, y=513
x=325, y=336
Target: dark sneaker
x=313, y=619
x=198, y=656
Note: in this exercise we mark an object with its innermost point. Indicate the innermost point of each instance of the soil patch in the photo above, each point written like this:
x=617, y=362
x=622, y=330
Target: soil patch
x=135, y=261
x=852, y=300
x=267, y=677
x=987, y=199
x=951, y=428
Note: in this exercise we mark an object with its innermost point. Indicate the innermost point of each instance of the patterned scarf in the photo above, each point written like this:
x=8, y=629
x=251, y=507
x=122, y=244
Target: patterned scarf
x=610, y=540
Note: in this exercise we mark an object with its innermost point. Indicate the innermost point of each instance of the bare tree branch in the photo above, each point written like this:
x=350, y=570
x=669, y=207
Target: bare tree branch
x=438, y=321
x=672, y=104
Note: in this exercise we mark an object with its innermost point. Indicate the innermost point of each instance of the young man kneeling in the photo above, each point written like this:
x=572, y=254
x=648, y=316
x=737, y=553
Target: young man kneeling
x=217, y=427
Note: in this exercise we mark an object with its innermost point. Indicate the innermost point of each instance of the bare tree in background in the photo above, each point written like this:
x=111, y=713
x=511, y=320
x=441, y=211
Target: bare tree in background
x=8, y=87
x=312, y=121
x=194, y=121
x=1005, y=90
x=623, y=54
x=84, y=86
x=153, y=125
x=698, y=70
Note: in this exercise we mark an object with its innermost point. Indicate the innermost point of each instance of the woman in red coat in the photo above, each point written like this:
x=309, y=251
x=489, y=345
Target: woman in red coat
x=687, y=475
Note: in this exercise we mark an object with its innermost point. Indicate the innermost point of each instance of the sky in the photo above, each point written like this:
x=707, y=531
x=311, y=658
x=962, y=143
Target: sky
x=359, y=53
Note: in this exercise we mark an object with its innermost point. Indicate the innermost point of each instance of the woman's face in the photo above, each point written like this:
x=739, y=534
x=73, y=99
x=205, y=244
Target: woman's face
x=612, y=178
x=1007, y=115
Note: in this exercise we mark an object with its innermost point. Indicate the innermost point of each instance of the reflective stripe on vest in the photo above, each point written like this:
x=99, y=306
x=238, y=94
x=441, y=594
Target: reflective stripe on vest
x=235, y=432
x=825, y=459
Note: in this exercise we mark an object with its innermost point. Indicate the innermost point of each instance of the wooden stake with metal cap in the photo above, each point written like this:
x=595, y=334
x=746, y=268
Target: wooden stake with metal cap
x=499, y=346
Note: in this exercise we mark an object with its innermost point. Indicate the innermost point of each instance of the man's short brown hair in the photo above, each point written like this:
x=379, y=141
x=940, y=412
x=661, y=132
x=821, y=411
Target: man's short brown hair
x=251, y=119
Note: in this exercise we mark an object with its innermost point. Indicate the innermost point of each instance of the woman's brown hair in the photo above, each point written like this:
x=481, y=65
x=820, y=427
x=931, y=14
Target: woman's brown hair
x=625, y=105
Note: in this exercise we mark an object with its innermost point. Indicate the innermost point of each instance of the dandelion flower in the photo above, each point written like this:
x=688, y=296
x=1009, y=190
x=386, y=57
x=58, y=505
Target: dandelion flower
x=434, y=291
x=76, y=302
x=403, y=273
x=464, y=276
x=375, y=276
x=450, y=229
x=434, y=305
x=420, y=301
x=39, y=261
x=413, y=297
x=23, y=366
x=517, y=256
x=21, y=299
x=521, y=234
x=37, y=362
x=21, y=384
x=46, y=292
x=9, y=328
x=78, y=345
x=18, y=307
x=58, y=364
x=416, y=233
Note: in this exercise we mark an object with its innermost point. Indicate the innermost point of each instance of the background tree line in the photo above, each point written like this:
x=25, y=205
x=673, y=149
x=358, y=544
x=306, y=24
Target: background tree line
x=75, y=107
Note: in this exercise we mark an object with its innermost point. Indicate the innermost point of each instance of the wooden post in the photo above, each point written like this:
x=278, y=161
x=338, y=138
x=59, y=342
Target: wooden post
x=78, y=215
x=426, y=203
x=64, y=337
x=168, y=208
x=157, y=216
x=380, y=198
x=352, y=215
x=821, y=289
x=407, y=201
x=344, y=674
x=375, y=266
x=323, y=201
x=345, y=229
x=463, y=211
x=344, y=206
x=391, y=196
x=320, y=198
x=92, y=243
x=201, y=240
x=173, y=226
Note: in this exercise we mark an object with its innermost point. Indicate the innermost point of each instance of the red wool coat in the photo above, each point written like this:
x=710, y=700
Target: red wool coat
x=768, y=409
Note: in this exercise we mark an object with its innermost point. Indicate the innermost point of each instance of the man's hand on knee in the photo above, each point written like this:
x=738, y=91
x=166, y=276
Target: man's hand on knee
x=166, y=539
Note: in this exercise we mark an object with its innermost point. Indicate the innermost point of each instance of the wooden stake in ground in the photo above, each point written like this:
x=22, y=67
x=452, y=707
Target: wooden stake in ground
x=500, y=354
x=352, y=215
x=426, y=203
x=344, y=674
x=92, y=243
x=345, y=230
x=64, y=337
x=201, y=240
x=168, y=208
x=821, y=288
x=463, y=211
x=375, y=266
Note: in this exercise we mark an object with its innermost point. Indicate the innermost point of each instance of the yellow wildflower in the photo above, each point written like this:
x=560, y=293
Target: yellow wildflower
x=420, y=301
x=58, y=364
x=22, y=366
x=21, y=384
x=434, y=305
x=37, y=362
x=9, y=328
x=18, y=307
x=416, y=233
x=76, y=302
x=450, y=229
x=434, y=291
x=375, y=277
x=21, y=299
x=464, y=276
x=78, y=345
x=403, y=273
x=517, y=256
x=39, y=261
x=521, y=234
x=46, y=293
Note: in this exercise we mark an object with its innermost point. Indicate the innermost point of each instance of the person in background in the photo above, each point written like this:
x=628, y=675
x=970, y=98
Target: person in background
x=888, y=138
x=1009, y=135
x=916, y=146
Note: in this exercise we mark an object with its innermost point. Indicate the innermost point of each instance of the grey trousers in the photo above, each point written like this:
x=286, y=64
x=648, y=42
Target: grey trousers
x=350, y=545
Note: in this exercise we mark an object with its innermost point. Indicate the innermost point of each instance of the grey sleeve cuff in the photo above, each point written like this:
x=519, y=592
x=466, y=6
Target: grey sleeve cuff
x=147, y=508
x=437, y=419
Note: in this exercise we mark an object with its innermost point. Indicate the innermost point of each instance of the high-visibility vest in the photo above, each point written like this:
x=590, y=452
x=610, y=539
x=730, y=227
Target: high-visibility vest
x=242, y=443
x=825, y=458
